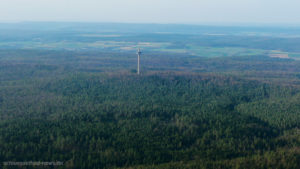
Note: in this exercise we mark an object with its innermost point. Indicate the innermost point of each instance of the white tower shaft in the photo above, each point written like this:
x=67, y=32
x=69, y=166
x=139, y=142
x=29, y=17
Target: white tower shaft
x=138, y=66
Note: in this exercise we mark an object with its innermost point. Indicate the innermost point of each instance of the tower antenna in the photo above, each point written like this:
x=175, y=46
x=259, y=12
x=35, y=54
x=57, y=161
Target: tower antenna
x=139, y=53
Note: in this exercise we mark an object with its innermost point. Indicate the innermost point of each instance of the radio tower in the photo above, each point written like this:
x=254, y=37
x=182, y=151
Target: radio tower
x=139, y=55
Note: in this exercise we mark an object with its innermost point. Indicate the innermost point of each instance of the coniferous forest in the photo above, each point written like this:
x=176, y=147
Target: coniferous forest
x=87, y=107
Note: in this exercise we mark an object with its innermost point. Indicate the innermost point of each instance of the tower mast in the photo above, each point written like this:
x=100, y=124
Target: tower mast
x=139, y=55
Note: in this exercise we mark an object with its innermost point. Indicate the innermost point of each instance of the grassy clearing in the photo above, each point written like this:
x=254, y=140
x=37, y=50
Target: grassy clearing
x=224, y=51
x=190, y=49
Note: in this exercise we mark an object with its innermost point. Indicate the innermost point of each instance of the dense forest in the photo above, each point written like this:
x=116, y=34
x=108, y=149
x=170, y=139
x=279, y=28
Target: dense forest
x=89, y=109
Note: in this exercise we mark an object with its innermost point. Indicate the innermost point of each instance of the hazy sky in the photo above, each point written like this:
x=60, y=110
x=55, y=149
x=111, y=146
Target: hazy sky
x=153, y=11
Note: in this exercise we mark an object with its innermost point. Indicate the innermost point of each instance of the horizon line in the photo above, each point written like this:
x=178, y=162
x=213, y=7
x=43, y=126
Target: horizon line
x=234, y=24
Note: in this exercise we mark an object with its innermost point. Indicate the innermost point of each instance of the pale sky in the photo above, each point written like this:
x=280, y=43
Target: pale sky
x=153, y=11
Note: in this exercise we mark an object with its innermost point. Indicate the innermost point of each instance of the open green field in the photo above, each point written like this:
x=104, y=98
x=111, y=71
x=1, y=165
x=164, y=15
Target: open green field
x=123, y=46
